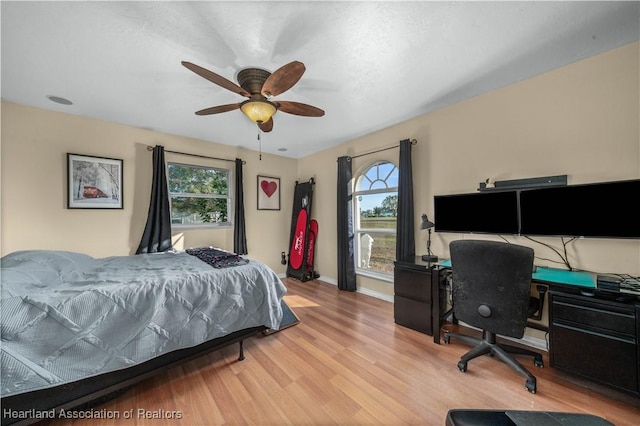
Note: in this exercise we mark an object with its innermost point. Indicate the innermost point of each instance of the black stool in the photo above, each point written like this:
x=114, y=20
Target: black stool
x=460, y=417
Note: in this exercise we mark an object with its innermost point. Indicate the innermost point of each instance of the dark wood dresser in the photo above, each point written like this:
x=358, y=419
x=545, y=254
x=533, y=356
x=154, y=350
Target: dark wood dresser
x=419, y=296
x=596, y=338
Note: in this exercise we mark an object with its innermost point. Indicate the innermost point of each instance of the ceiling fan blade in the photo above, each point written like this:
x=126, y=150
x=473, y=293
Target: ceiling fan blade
x=298, y=108
x=218, y=109
x=266, y=126
x=283, y=79
x=217, y=79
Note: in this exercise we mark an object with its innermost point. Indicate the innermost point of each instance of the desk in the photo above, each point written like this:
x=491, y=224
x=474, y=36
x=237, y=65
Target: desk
x=583, y=280
x=555, y=276
x=592, y=333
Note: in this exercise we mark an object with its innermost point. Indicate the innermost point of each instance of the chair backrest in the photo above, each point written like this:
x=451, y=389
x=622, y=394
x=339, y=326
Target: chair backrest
x=491, y=285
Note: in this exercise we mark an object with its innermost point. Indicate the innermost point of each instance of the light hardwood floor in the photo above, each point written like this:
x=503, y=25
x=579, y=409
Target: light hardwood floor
x=348, y=363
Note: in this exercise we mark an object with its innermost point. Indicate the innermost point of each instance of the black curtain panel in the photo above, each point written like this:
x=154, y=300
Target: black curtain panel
x=346, y=265
x=157, y=232
x=239, y=228
x=405, y=238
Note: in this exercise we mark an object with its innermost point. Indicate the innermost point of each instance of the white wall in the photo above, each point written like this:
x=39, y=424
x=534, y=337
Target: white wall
x=35, y=143
x=581, y=120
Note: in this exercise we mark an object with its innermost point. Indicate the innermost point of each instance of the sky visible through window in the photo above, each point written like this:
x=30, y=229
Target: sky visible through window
x=371, y=201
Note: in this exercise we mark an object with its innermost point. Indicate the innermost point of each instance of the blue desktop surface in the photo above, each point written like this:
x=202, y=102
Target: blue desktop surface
x=561, y=276
x=555, y=276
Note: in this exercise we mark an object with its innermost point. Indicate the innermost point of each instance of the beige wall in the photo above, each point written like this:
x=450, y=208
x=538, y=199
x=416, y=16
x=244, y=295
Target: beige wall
x=34, y=214
x=580, y=120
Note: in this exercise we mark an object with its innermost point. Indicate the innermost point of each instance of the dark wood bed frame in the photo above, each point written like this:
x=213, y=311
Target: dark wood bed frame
x=91, y=391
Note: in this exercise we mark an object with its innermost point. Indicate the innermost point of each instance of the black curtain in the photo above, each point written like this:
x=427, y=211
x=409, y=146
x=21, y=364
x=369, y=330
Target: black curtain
x=346, y=265
x=239, y=229
x=405, y=238
x=157, y=232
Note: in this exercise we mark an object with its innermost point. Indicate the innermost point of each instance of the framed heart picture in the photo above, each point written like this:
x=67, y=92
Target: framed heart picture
x=268, y=193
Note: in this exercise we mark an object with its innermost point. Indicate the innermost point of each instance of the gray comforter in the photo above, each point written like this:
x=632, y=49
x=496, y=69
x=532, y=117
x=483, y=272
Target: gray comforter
x=67, y=316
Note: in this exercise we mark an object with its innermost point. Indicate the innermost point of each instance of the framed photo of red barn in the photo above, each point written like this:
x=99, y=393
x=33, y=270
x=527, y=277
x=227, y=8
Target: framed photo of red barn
x=268, y=193
x=93, y=182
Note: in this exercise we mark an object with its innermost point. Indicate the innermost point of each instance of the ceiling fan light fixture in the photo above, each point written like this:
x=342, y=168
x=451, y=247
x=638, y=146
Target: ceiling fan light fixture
x=258, y=86
x=258, y=111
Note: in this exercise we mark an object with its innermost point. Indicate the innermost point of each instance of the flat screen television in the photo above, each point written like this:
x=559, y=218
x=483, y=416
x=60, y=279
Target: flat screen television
x=606, y=210
x=482, y=212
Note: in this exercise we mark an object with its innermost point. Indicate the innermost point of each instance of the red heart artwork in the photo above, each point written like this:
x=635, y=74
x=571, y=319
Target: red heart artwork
x=268, y=187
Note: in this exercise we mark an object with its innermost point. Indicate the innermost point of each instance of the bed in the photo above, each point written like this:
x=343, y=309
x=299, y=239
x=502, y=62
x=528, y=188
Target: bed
x=76, y=329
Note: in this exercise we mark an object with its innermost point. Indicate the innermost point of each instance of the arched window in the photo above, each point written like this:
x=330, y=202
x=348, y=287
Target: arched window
x=375, y=213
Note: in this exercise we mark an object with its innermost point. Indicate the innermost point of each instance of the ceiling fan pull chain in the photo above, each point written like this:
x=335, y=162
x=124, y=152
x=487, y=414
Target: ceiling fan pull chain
x=260, y=145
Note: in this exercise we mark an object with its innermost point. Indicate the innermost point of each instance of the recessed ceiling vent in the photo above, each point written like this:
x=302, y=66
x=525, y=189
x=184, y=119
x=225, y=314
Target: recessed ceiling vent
x=59, y=100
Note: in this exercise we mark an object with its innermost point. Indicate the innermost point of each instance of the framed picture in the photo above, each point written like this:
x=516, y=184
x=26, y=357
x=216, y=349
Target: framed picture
x=93, y=182
x=268, y=193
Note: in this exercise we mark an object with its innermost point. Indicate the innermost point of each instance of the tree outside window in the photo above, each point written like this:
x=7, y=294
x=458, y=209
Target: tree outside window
x=199, y=195
x=376, y=211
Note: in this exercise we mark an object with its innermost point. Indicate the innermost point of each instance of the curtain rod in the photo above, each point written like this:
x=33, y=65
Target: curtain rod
x=150, y=148
x=413, y=142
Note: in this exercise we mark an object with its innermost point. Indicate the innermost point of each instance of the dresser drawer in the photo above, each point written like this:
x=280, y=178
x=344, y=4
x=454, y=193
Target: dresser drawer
x=413, y=314
x=595, y=338
x=413, y=284
x=593, y=315
x=599, y=357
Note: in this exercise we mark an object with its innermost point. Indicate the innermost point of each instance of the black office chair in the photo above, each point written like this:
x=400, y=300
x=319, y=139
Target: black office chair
x=491, y=291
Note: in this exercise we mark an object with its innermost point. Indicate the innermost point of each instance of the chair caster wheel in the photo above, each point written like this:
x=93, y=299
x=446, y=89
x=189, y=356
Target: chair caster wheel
x=531, y=386
x=537, y=361
x=462, y=366
x=446, y=339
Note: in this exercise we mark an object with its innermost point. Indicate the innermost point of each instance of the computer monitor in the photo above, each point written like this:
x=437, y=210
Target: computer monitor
x=482, y=212
x=606, y=210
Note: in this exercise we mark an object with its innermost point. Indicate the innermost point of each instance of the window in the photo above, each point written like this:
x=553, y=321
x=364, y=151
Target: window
x=199, y=195
x=376, y=211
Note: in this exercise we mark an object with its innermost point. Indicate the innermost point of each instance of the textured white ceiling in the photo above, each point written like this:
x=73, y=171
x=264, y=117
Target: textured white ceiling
x=369, y=64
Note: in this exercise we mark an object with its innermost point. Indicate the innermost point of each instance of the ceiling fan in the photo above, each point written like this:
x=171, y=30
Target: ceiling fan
x=260, y=86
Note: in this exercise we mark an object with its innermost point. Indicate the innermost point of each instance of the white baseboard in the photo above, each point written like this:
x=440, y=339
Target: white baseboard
x=376, y=294
x=537, y=343
x=534, y=342
x=328, y=280
x=366, y=291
